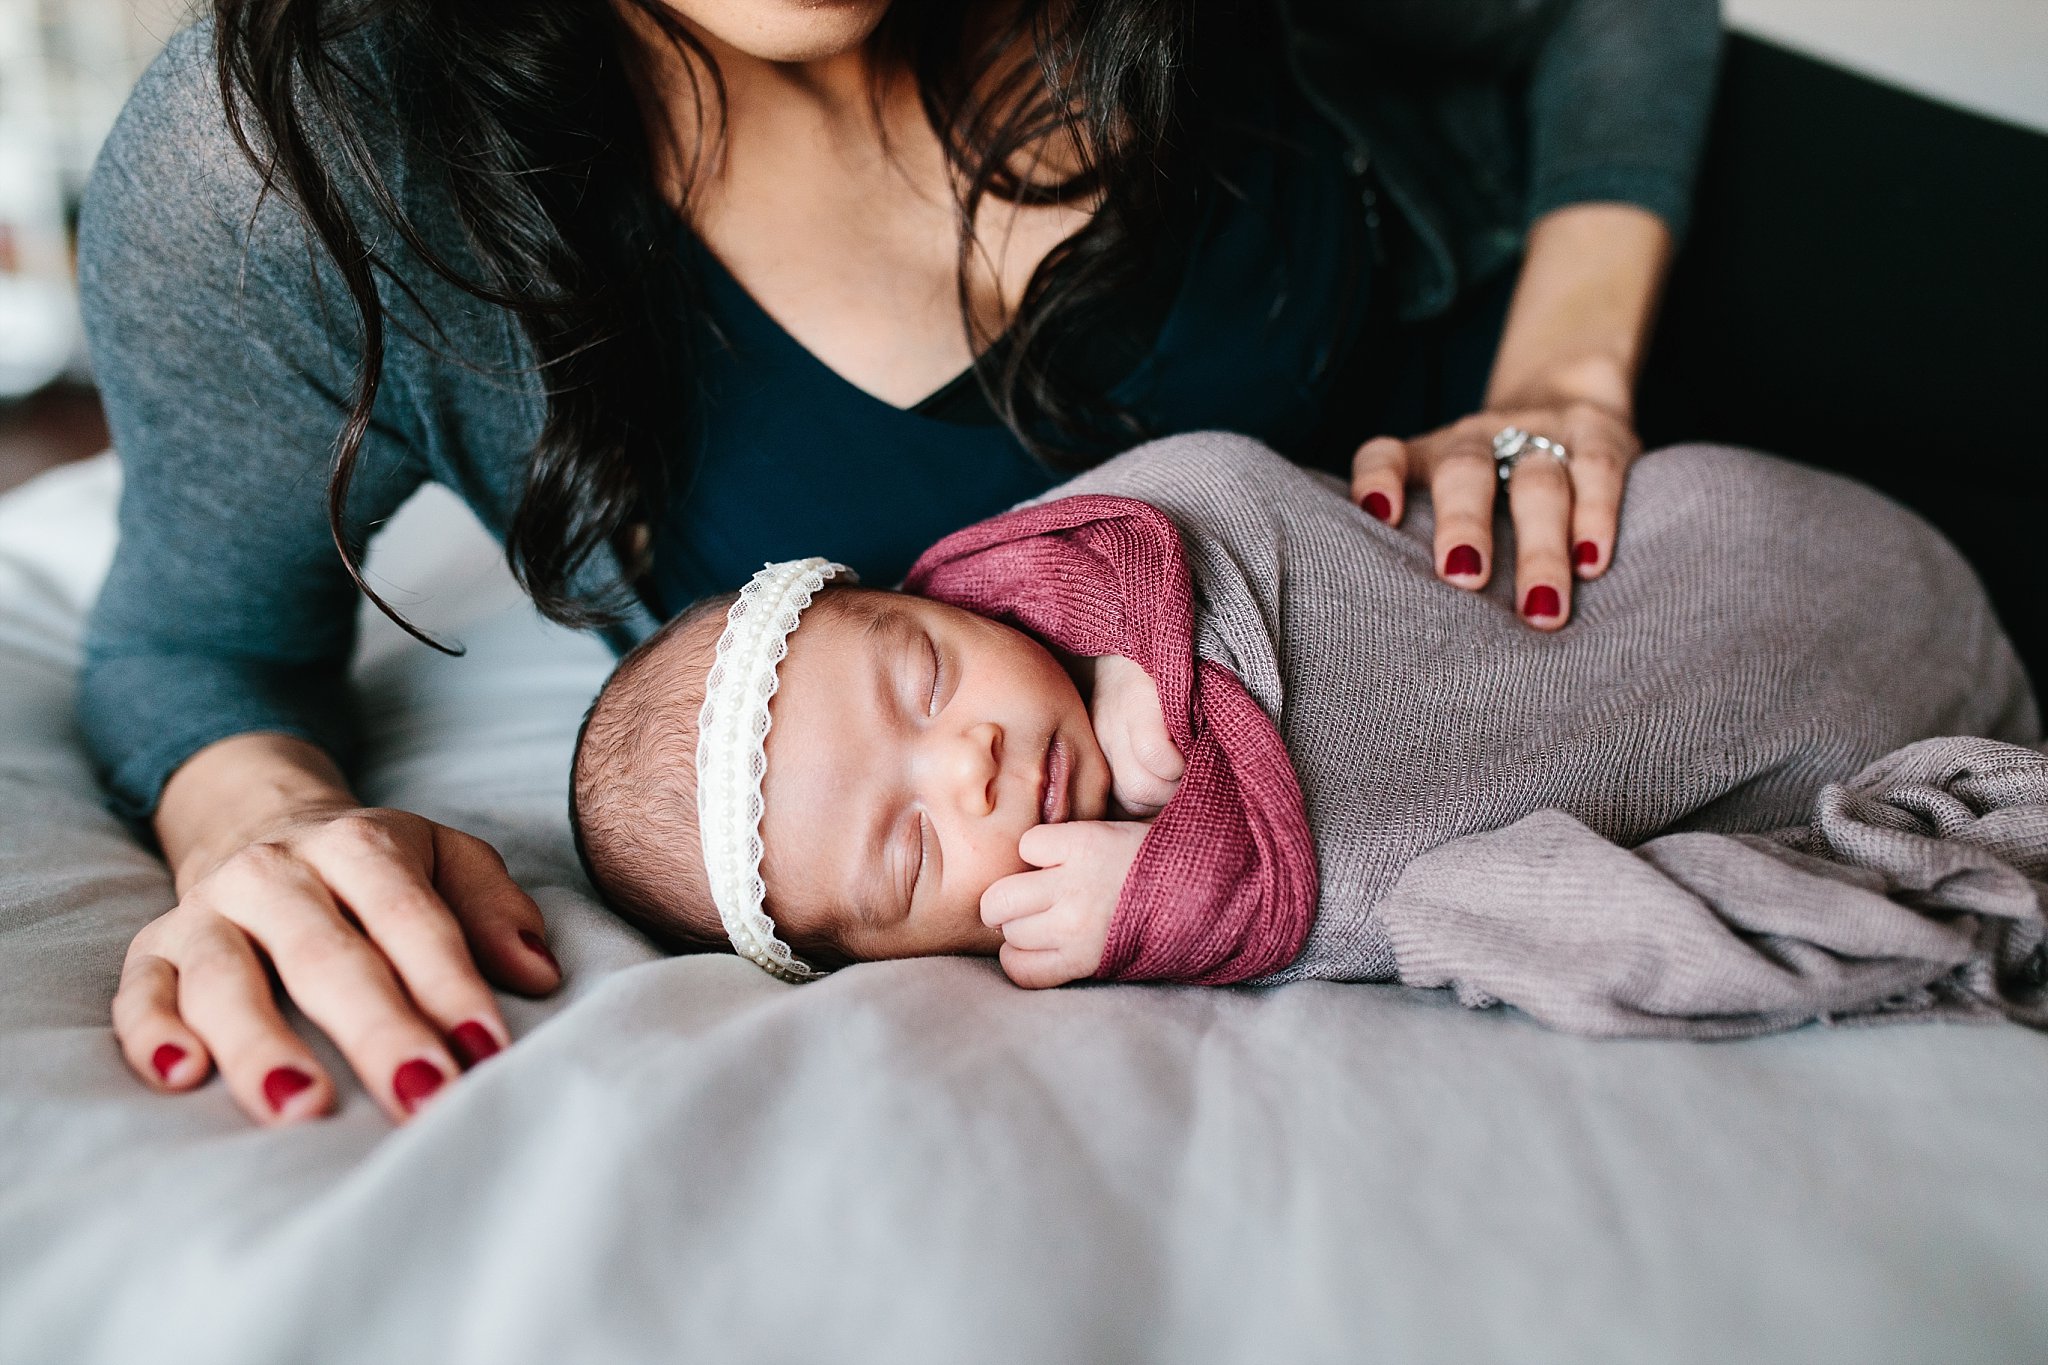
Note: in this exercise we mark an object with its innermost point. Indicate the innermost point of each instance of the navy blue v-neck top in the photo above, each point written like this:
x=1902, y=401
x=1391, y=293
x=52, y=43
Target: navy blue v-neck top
x=1246, y=328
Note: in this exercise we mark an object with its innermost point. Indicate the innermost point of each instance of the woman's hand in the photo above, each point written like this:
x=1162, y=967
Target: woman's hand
x=1564, y=514
x=1055, y=919
x=1144, y=767
x=1566, y=369
x=372, y=921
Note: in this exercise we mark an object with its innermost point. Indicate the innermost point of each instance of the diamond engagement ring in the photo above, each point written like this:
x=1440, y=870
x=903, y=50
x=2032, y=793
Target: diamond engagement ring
x=1513, y=443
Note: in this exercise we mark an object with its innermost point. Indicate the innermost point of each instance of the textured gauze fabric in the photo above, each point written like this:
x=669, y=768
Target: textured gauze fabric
x=1702, y=808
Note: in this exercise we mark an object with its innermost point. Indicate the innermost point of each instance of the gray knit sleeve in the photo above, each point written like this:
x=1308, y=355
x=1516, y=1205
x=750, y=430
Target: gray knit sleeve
x=225, y=366
x=1619, y=97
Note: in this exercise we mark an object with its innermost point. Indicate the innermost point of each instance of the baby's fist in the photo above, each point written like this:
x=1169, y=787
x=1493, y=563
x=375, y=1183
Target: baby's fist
x=1055, y=919
x=1144, y=767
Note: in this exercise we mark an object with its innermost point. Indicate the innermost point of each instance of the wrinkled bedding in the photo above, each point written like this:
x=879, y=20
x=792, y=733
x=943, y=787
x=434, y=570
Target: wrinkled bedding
x=914, y=1162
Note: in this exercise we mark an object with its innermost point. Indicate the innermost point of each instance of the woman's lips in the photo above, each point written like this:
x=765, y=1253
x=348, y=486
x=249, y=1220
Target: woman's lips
x=1053, y=802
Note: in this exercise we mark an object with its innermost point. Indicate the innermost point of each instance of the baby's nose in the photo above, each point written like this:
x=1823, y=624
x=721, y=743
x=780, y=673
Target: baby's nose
x=973, y=761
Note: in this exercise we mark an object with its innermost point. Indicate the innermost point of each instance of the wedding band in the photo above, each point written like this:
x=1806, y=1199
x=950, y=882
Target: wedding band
x=1513, y=443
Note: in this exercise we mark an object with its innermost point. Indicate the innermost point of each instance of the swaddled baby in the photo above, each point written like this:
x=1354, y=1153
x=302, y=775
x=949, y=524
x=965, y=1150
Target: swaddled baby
x=1358, y=771
x=919, y=755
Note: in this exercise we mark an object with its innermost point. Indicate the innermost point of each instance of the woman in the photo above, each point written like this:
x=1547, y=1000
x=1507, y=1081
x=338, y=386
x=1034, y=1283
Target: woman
x=625, y=276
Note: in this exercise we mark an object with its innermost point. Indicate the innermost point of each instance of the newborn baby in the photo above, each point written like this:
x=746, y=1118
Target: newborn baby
x=919, y=756
x=1195, y=717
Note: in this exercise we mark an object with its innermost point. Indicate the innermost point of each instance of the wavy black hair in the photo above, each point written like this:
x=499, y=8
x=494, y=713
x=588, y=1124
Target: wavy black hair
x=537, y=115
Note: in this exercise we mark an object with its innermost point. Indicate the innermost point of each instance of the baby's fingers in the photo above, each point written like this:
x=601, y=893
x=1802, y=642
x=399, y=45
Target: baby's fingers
x=1050, y=846
x=1038, y=969
x=1040, y=932
x=1143, y=797
x=1020, y=893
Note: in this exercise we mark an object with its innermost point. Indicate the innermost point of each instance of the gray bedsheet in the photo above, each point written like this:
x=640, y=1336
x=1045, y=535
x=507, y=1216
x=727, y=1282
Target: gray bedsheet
x=684, y=1160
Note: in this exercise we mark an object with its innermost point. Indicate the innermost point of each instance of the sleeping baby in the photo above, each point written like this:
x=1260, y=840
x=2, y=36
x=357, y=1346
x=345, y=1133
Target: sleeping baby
x=1195, y=717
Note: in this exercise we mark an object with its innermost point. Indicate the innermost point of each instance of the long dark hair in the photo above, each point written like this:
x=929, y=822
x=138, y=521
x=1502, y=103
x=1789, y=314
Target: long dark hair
x=536, y=116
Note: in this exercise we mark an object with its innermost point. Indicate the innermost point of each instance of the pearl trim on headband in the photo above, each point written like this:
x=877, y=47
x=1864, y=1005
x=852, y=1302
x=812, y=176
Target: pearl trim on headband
x=732, y=755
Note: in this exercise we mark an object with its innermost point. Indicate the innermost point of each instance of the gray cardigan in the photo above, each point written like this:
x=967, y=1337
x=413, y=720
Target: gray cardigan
x=224, y=348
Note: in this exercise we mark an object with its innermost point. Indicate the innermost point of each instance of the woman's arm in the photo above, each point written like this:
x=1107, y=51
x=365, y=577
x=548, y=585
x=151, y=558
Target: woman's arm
x=1583, y=308
x=215, y=684
x=223, y=360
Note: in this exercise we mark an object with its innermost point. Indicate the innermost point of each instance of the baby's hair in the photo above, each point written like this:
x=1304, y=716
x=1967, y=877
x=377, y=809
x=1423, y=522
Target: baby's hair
x=633, y=783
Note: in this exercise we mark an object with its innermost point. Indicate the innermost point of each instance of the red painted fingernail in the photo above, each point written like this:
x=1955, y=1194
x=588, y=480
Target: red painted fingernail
x=281, y=1084
x=539, y=946
x=166, y=1058
x=1542, y=601
x=1462, y=560
x=472, y=1042
x=1585, y=552
x=414, y=1081
x=1379, y=505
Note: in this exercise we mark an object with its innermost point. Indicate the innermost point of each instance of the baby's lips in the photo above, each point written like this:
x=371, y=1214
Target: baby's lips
x=1054, y=797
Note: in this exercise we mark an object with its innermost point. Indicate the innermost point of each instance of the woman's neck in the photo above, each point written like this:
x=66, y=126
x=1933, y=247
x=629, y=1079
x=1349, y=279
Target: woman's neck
x=830, y=101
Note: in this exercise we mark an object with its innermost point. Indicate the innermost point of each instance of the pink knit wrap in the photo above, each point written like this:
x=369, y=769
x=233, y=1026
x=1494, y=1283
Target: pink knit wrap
x=1224, y=886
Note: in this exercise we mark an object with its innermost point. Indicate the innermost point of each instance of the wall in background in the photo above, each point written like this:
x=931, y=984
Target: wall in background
x=65, y=67
x=1990, y=56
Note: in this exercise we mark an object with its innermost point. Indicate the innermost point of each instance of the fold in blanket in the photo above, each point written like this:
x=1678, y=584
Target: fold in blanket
x=1916, y=888
x=1701, y=808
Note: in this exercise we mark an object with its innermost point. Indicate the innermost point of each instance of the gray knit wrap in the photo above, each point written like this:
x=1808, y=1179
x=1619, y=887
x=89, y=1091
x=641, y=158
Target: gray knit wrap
x=1766, y=630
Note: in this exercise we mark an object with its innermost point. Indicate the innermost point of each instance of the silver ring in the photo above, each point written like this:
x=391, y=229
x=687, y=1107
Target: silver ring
x=1513, y=443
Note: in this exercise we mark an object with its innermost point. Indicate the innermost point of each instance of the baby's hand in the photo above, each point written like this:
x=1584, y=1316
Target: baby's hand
x=1144, y=767
x=1055, y=920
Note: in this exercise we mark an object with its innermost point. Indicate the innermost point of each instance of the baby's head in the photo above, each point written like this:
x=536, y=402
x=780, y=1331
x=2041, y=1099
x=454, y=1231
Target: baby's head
x=911, y=745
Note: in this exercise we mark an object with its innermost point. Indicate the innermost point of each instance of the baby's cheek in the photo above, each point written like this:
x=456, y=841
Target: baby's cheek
x=991, y=862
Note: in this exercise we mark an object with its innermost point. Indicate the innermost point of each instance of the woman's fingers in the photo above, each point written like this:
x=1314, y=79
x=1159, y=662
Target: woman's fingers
x=367, y=868
x=1379, y=478
x=154, y=1039
x=1602, y=451
x=501, y=923
x=373, y=923
x=1540, y=504
x=1564, y=515
x=224, y=995
x=1462, y=483
x=346, y=987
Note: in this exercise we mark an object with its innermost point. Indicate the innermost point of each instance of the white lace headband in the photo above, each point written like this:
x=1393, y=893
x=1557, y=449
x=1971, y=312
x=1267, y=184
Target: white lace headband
x=732, y=757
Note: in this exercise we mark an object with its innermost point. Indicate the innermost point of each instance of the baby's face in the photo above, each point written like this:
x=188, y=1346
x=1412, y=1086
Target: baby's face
x=911, y=747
